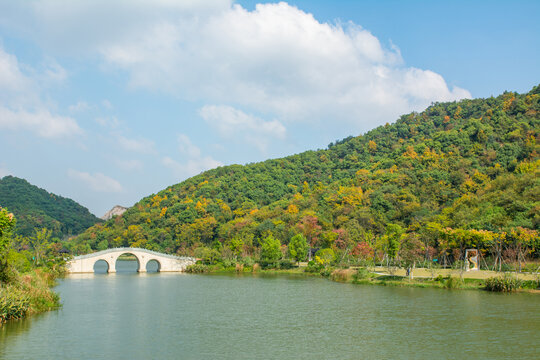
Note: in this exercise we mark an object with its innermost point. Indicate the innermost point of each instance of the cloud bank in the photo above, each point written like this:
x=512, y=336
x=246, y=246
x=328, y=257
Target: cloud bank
x=193, y=161
x=97, y=182
x=21, y=107
x=277, y=60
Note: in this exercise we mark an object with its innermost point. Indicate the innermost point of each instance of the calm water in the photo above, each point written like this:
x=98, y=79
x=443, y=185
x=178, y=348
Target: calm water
x=180, y=316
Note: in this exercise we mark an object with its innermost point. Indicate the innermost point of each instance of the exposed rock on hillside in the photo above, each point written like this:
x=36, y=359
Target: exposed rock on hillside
x=115, y=211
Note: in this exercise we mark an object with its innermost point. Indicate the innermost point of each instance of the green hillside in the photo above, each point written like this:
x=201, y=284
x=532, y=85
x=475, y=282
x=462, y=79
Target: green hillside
x=36, y=208
x=459, y=174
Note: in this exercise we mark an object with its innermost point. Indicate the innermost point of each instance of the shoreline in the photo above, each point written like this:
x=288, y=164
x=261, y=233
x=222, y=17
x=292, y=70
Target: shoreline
x=29, y=294
x=364, y=277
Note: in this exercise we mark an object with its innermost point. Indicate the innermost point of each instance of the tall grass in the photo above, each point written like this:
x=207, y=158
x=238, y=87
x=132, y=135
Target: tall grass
x=504, y=283
x=27, y=294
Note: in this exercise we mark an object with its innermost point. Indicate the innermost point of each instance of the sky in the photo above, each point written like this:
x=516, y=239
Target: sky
x=106, y=102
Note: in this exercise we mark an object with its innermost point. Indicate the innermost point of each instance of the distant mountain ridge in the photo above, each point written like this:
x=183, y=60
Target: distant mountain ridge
x=115, y=211
x=36, y=208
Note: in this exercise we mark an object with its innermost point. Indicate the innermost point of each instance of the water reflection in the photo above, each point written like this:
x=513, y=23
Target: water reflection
x=175, y=315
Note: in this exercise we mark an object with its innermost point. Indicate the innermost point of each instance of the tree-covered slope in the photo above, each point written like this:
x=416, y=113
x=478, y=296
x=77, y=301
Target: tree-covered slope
x=36, y=208
x=461, y=166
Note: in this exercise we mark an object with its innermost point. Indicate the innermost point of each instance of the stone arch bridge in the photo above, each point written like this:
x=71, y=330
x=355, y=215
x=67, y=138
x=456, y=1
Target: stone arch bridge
x=169, y=263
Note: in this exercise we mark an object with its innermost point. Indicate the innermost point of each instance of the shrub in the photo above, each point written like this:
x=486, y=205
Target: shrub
x=268, y=264
x=313, y=267
x=248, y=261
x=14, y=304
x=361, y=274
x=504, y=283
x=286, y=264
x=453, y=282
x=325, y=256
x=197, y=269
x=19, y=260
x=343, y=275
x=327, y=271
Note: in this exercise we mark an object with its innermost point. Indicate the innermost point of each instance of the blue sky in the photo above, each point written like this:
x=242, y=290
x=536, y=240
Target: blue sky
x=109, y=101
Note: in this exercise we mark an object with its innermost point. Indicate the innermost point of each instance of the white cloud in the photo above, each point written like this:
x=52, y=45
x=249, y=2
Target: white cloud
x=140, y=145
x=279, y=60
x=13, y=83
x=21, y=107
x=97, y=181
x=234, y=123
x=194, y=162
x=276, y=60
x=41, y=122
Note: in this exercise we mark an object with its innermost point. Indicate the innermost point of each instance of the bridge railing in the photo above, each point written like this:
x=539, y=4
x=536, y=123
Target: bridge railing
x=129, y=250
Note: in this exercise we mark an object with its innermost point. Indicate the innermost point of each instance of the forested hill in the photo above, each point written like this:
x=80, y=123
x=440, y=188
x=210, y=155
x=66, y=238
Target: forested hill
x=460, y=166
x=36, y=208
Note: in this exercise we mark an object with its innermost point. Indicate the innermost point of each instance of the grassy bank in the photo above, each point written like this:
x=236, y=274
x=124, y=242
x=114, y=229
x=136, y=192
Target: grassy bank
x=27, y=294
x=443, y=280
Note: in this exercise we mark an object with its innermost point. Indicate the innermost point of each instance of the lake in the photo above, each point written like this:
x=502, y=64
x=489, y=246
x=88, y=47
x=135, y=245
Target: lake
x=182, y=316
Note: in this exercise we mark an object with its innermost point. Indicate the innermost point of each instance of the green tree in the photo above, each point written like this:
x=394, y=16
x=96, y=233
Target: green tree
x=207, y=255
x=236, y=245
x=325, y=257
x=39, y=243
x=392, y=240
x=270, y=249
x=7, y=223
x=298, y=247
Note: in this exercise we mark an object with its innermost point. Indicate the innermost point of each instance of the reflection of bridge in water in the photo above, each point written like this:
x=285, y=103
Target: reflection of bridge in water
x=169, y=263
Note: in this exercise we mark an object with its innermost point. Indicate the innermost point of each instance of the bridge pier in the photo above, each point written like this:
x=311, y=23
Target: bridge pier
x=142, y=263
x=111, y=260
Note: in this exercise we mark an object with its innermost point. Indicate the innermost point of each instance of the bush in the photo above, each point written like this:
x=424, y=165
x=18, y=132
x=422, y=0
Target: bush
x=504, y=283
x=453, y=282
x=327, y=271
x=361, y=274
x=228, y=263
x=20, y=261
x=248, y=261
x=343, y=275
x=530, y=284
x=197, y=269
x=14, y=304
x=268, y=264
x=313, y=267
x=286, y=264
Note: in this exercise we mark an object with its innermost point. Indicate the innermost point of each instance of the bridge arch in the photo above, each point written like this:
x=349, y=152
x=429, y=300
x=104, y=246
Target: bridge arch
x=128, y=266
x=152, y=264
x=101, y=266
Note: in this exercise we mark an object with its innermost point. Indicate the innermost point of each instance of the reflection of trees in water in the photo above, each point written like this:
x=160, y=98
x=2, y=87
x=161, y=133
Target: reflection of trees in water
x=14, y=327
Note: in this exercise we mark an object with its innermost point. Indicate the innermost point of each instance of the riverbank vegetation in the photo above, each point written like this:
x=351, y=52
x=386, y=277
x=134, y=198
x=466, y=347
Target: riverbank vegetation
x=416, y=193
x=26, y=277
x=479, y=280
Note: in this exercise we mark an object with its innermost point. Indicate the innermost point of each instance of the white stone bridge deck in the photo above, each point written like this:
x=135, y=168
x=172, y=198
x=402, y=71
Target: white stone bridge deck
x=166, y=263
